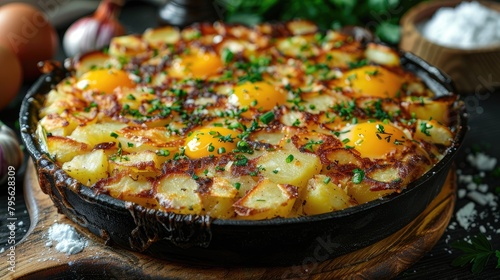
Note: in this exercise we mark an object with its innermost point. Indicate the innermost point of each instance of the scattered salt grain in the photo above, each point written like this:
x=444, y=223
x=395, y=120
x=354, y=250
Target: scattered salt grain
x=482, y=229
x=469, y=25
x=482, y=161
x=483, y=188
x=472, y=186
x=452, y=226
x=461, y=193
x=483, y=202
x=67, y=239
x=466, y=215
x=478, y=198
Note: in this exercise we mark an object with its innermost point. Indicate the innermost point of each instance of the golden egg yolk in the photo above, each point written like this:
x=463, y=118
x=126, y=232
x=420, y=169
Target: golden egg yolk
x=262, y=96
x=375, y=139
x=210, y=141
x=105, y=80
x=197, y=64
x=373, y=81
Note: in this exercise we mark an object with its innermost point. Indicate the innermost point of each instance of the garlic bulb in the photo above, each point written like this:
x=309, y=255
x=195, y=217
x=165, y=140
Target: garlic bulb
x=10, y=151
x=96, y=31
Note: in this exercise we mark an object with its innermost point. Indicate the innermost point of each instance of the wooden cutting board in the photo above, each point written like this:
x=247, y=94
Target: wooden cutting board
x=385, y=259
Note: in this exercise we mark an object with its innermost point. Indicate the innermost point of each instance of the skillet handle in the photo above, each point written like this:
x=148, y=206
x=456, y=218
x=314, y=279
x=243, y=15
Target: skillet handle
x=434, y=78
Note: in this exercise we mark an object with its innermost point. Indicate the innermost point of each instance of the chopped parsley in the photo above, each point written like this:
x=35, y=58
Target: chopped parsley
x=227, y=55
x=345, y=109
x=91, y=105
x=327, y=180
x=358, y=176
x=358, y=64
x=267, y=117
x=210, y=148
x=241, y=160
x=425, y=127
x=163, y=153
x=309, y=145
x=375, y=110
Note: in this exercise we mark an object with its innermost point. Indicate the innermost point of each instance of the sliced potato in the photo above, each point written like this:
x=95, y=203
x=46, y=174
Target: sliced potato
x=297, y=46
x=125, y=46
x=301, y=27
x=382, y=55
x=64, y=149
x=157, y=37
x=57, y=102
x=178, y=193
x=428, y=109
x=93, y=134
x=88, y=168
x=322, y=196
x=361, y=192
x=133, y=188
x=433, y=132
x=289, y=166
x=267, y=200
x=218, y=207
x=146, y=161
x=57, y=125
x=90, y=61
x=157, y=139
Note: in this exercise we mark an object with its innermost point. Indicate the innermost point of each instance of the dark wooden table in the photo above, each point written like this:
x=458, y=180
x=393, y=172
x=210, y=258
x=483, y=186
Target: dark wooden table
x=484, y=134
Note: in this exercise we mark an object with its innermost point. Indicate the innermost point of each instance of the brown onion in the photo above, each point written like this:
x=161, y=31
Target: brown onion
x=96, y=31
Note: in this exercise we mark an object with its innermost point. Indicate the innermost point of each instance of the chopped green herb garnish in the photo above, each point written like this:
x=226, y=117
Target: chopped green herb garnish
x=163, y=153
x=267, y=117
x=227, y=55
x=210, y=148
x=241, y=160
x=91, y=105
x=358, y=64
x=345, y=109
x=309, y=145
x=289, y=158
x=425, y=127
x=380, y=128
x=358, y=176
x=372, y=73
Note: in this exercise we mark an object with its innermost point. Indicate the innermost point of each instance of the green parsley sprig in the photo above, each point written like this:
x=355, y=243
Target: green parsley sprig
x=381, y=16
x=476, y=252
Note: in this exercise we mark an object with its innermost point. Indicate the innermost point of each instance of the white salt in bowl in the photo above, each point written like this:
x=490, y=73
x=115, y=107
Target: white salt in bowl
x=473, y=70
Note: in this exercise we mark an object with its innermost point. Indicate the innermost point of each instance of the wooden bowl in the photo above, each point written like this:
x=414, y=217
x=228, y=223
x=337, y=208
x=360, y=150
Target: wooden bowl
x=472, y=70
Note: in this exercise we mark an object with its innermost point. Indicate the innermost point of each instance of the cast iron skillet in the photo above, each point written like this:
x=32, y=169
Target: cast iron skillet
x=204, y=240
